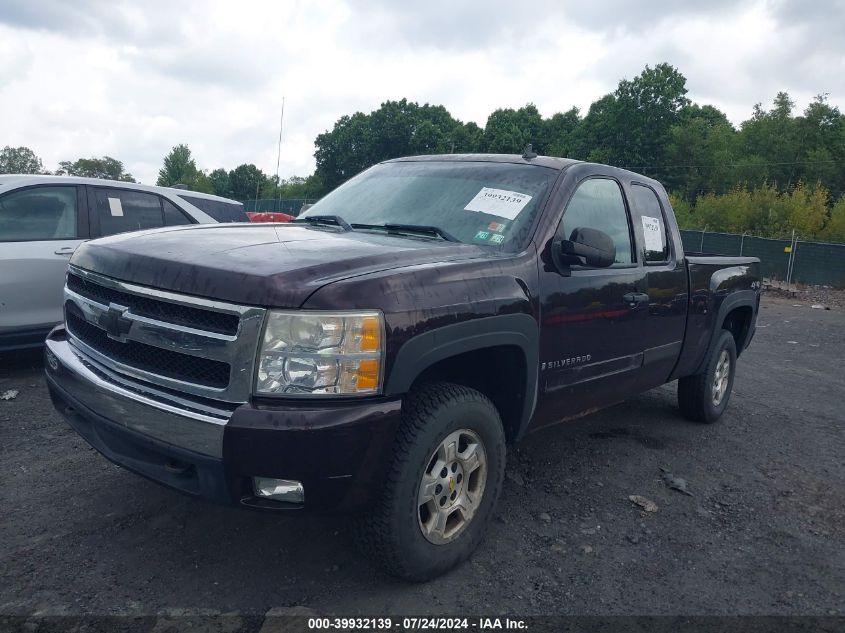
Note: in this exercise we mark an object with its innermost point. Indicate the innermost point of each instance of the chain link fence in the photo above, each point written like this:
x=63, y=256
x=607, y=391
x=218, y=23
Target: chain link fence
x=820, y=263
x=290, y=206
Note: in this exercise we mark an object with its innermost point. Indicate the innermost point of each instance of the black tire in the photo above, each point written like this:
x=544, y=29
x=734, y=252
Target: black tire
x=695, y=393
x=390, y=532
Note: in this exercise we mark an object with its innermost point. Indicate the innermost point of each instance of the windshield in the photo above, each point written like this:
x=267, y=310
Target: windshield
x=492, y=204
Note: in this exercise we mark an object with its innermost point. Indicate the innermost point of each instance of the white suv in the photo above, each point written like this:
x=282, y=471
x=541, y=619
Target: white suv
x=44, y=218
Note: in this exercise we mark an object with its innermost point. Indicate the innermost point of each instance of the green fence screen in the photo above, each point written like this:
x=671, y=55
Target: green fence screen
x=290, y=206
x=820, y=263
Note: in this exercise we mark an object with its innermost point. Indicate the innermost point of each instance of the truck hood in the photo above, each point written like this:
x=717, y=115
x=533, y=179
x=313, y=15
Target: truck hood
x=256, y=264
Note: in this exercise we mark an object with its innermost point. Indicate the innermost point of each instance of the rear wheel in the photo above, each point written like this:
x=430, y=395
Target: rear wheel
x=440, y=492
x=704, y=397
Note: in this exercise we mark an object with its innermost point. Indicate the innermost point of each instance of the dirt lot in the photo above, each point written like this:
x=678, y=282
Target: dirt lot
x=762, y=532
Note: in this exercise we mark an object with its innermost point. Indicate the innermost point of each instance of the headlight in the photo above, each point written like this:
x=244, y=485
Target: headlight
x=321, y=353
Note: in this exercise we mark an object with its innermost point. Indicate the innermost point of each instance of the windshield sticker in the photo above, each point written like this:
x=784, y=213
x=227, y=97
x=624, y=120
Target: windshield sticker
x=115, y=207
x=651, y=233
x=489, y=236
x=497, y=227
x=498, y=202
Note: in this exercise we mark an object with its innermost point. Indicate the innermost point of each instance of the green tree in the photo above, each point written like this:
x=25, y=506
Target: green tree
x=245, y=180
x=834, y=229
x=346, y=150
x=179, y=167
x=397, y=128
x=632, y=127
x=807, y=208
x=773, y=173
x=683, y=212
x=647, y=107
x=106, y=167
x=508, y=131
x=20, y=160
x=299, y=187
x=560, y=133
x=772, y=136
x=700, y=152
x=466, y=138
x=220, y=182
x=821, y=131
x=597, y=138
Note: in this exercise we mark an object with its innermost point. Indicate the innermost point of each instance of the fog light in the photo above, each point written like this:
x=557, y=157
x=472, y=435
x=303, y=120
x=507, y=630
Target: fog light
x=279, y=489
x=52, y=361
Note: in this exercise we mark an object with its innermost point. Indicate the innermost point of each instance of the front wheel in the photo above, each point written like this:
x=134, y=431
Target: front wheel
x=704, y=397
x=440, y=492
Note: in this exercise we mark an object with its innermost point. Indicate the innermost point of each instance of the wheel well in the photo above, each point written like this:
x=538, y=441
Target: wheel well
x=497, y=372
x=738, y=322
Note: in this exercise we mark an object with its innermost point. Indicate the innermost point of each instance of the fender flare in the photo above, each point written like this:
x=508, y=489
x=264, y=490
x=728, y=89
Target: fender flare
x=424, y=350
x=737, y=299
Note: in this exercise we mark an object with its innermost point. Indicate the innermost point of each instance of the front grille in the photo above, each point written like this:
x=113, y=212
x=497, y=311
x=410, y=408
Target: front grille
x=196, y=318
x=192, y=369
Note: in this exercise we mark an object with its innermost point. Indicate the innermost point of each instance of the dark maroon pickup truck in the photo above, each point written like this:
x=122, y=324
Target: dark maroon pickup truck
x=378, y=354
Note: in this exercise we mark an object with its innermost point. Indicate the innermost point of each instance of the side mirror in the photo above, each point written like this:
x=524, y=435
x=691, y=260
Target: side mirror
x=594, y=247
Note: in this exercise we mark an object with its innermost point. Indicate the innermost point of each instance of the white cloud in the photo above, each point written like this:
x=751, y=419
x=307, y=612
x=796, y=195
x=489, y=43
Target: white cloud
x=131, y=80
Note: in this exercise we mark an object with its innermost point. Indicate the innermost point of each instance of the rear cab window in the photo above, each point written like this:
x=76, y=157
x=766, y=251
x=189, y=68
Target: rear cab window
x=217, y=209
x=41, y=213
x=652, y=224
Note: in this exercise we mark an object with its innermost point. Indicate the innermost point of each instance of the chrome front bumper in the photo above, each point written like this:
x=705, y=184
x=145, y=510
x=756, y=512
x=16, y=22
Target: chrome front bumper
x=162, y=416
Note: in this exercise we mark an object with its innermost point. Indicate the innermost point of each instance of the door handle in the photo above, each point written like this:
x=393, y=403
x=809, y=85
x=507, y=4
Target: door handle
x=65, y=250
x=633, y=299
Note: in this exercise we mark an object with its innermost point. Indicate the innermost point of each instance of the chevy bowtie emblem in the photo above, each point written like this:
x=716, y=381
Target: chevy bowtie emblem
x=115, y=323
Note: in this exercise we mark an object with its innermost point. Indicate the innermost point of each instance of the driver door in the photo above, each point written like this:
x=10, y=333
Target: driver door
x=591, y=318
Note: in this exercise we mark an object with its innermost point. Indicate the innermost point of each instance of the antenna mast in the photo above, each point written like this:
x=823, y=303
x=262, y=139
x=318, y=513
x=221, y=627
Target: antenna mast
x=279, y=155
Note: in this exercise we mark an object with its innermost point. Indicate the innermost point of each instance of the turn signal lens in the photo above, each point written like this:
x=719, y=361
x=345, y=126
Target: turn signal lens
x=368, y=374
x=370, y=334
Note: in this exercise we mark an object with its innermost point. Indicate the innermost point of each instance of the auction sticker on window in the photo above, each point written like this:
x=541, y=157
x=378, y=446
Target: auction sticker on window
x=115, y=207
x=498, y=202
x=652, y=234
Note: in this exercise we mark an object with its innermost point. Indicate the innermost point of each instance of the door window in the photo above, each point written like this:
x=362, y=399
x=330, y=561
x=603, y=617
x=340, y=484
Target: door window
x=120, y=211
x=38, y=213
x=647, y=204
x=598, y=204
x=173, y=216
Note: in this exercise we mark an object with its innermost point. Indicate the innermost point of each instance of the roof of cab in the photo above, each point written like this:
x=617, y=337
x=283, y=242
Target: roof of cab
x=543, y=161
x=8, y=181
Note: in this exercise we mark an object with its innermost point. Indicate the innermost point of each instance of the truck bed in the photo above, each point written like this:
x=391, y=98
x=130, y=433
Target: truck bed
x=715, y=282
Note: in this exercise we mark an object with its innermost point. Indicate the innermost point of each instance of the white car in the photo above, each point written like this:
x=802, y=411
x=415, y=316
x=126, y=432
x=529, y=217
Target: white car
x=44, y=218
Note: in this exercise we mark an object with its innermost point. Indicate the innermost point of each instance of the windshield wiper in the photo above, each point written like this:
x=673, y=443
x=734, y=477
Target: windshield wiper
x=421, y=229
x=334, y=220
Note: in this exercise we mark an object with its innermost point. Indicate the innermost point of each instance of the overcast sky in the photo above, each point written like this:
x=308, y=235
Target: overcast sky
x=132, y=79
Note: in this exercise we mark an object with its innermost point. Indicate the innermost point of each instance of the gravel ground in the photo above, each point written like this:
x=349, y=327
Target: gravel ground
x=825, y=296
x=762, y=532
